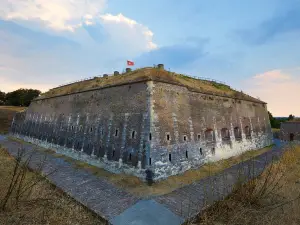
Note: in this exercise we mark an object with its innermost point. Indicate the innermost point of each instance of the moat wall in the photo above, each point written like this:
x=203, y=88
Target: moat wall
x=155, y=125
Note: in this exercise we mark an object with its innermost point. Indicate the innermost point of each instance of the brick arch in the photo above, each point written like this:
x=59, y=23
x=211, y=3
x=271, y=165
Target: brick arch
x=237, y=133
x=209, y=135
x=225, y=134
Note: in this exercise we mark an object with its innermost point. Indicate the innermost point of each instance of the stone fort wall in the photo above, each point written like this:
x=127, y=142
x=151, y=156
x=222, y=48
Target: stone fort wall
x=107, y=123
x=150, y=124
x=190, y=127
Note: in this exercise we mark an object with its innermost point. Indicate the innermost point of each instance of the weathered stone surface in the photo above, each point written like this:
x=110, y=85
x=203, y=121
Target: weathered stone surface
x=156, y=125
x=290, y=131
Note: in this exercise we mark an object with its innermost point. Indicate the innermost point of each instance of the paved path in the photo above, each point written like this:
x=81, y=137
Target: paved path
x=189, y=200
x=96, y=193
x=120, y=207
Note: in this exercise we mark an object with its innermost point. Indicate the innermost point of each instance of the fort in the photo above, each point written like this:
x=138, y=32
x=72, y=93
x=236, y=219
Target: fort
x=149, y=118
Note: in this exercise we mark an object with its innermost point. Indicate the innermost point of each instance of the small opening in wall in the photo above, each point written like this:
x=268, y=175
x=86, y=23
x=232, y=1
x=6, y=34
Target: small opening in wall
x=144, y=146
x=116, y=133
x=149, y=161
x=213, y=151
x=113, y=153
x=133, y=134
x=130, y=157
x=72, y=127
x=150, y=137
x=91, y=129
x=198, y=137
x=102, y=131
x=201, y=153
x=186, y=154
x=168, y=137
x=184, y=138
x=170, y=158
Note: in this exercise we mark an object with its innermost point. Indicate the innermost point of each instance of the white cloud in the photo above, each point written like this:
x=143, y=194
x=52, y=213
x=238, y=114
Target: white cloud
x=56, y=14
x=279, y=88
x=125, y=30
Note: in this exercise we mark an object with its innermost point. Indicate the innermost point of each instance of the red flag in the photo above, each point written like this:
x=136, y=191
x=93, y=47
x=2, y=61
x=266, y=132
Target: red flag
x=130, y=63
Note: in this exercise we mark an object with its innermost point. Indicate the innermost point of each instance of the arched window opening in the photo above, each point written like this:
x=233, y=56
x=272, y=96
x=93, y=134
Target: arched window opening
x=198, y=137
x=116, y=133
x=201, y=153
x=113, y=153
x=130, y=157
x=170, y=158
x=225, y=134
x=237, y=133
x=133, y=134
x=247, y=131
x=184, y=137
x=209, y=135
x=186, y=154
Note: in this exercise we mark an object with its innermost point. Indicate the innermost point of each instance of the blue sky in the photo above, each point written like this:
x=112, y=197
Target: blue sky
x=253, y=46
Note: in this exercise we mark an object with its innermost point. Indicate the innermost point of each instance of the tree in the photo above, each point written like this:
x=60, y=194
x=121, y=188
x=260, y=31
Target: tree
x=291, y=117
x=275, y=123
x=2, y=98
x=21, y=97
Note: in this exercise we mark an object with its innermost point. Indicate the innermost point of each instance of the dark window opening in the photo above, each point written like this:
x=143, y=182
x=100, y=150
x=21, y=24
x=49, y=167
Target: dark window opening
x=102, y=132
x=150, y=137
x=168, y=137
x=149, y=161
x=198, y=137
x=91, y=129
x=113, y=153
x=130, y=157
x=209, y=135
x=247, y=131
x=184, y=138
x=116, y=133
x=132, y=134
x=170, y=157
x=237, y=133
x=201, y=153
x=72, y=128
x=213, y=151
x=186, y=154
x=225, y=134
x=292, y=137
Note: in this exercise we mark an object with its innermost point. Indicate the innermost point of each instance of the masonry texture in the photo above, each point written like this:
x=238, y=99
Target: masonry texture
x=290, y=131
x=149, y=123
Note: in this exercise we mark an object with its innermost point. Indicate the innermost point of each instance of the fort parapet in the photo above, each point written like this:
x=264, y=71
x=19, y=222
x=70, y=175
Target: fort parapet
x=146, y=119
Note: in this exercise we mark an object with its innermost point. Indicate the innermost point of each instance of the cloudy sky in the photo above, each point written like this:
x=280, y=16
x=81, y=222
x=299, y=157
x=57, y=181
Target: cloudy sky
x=252, y=45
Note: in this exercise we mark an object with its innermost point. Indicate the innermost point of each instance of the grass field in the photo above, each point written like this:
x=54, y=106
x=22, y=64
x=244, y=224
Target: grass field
x=6, y=116
x=271, y=199
x=43, y=204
